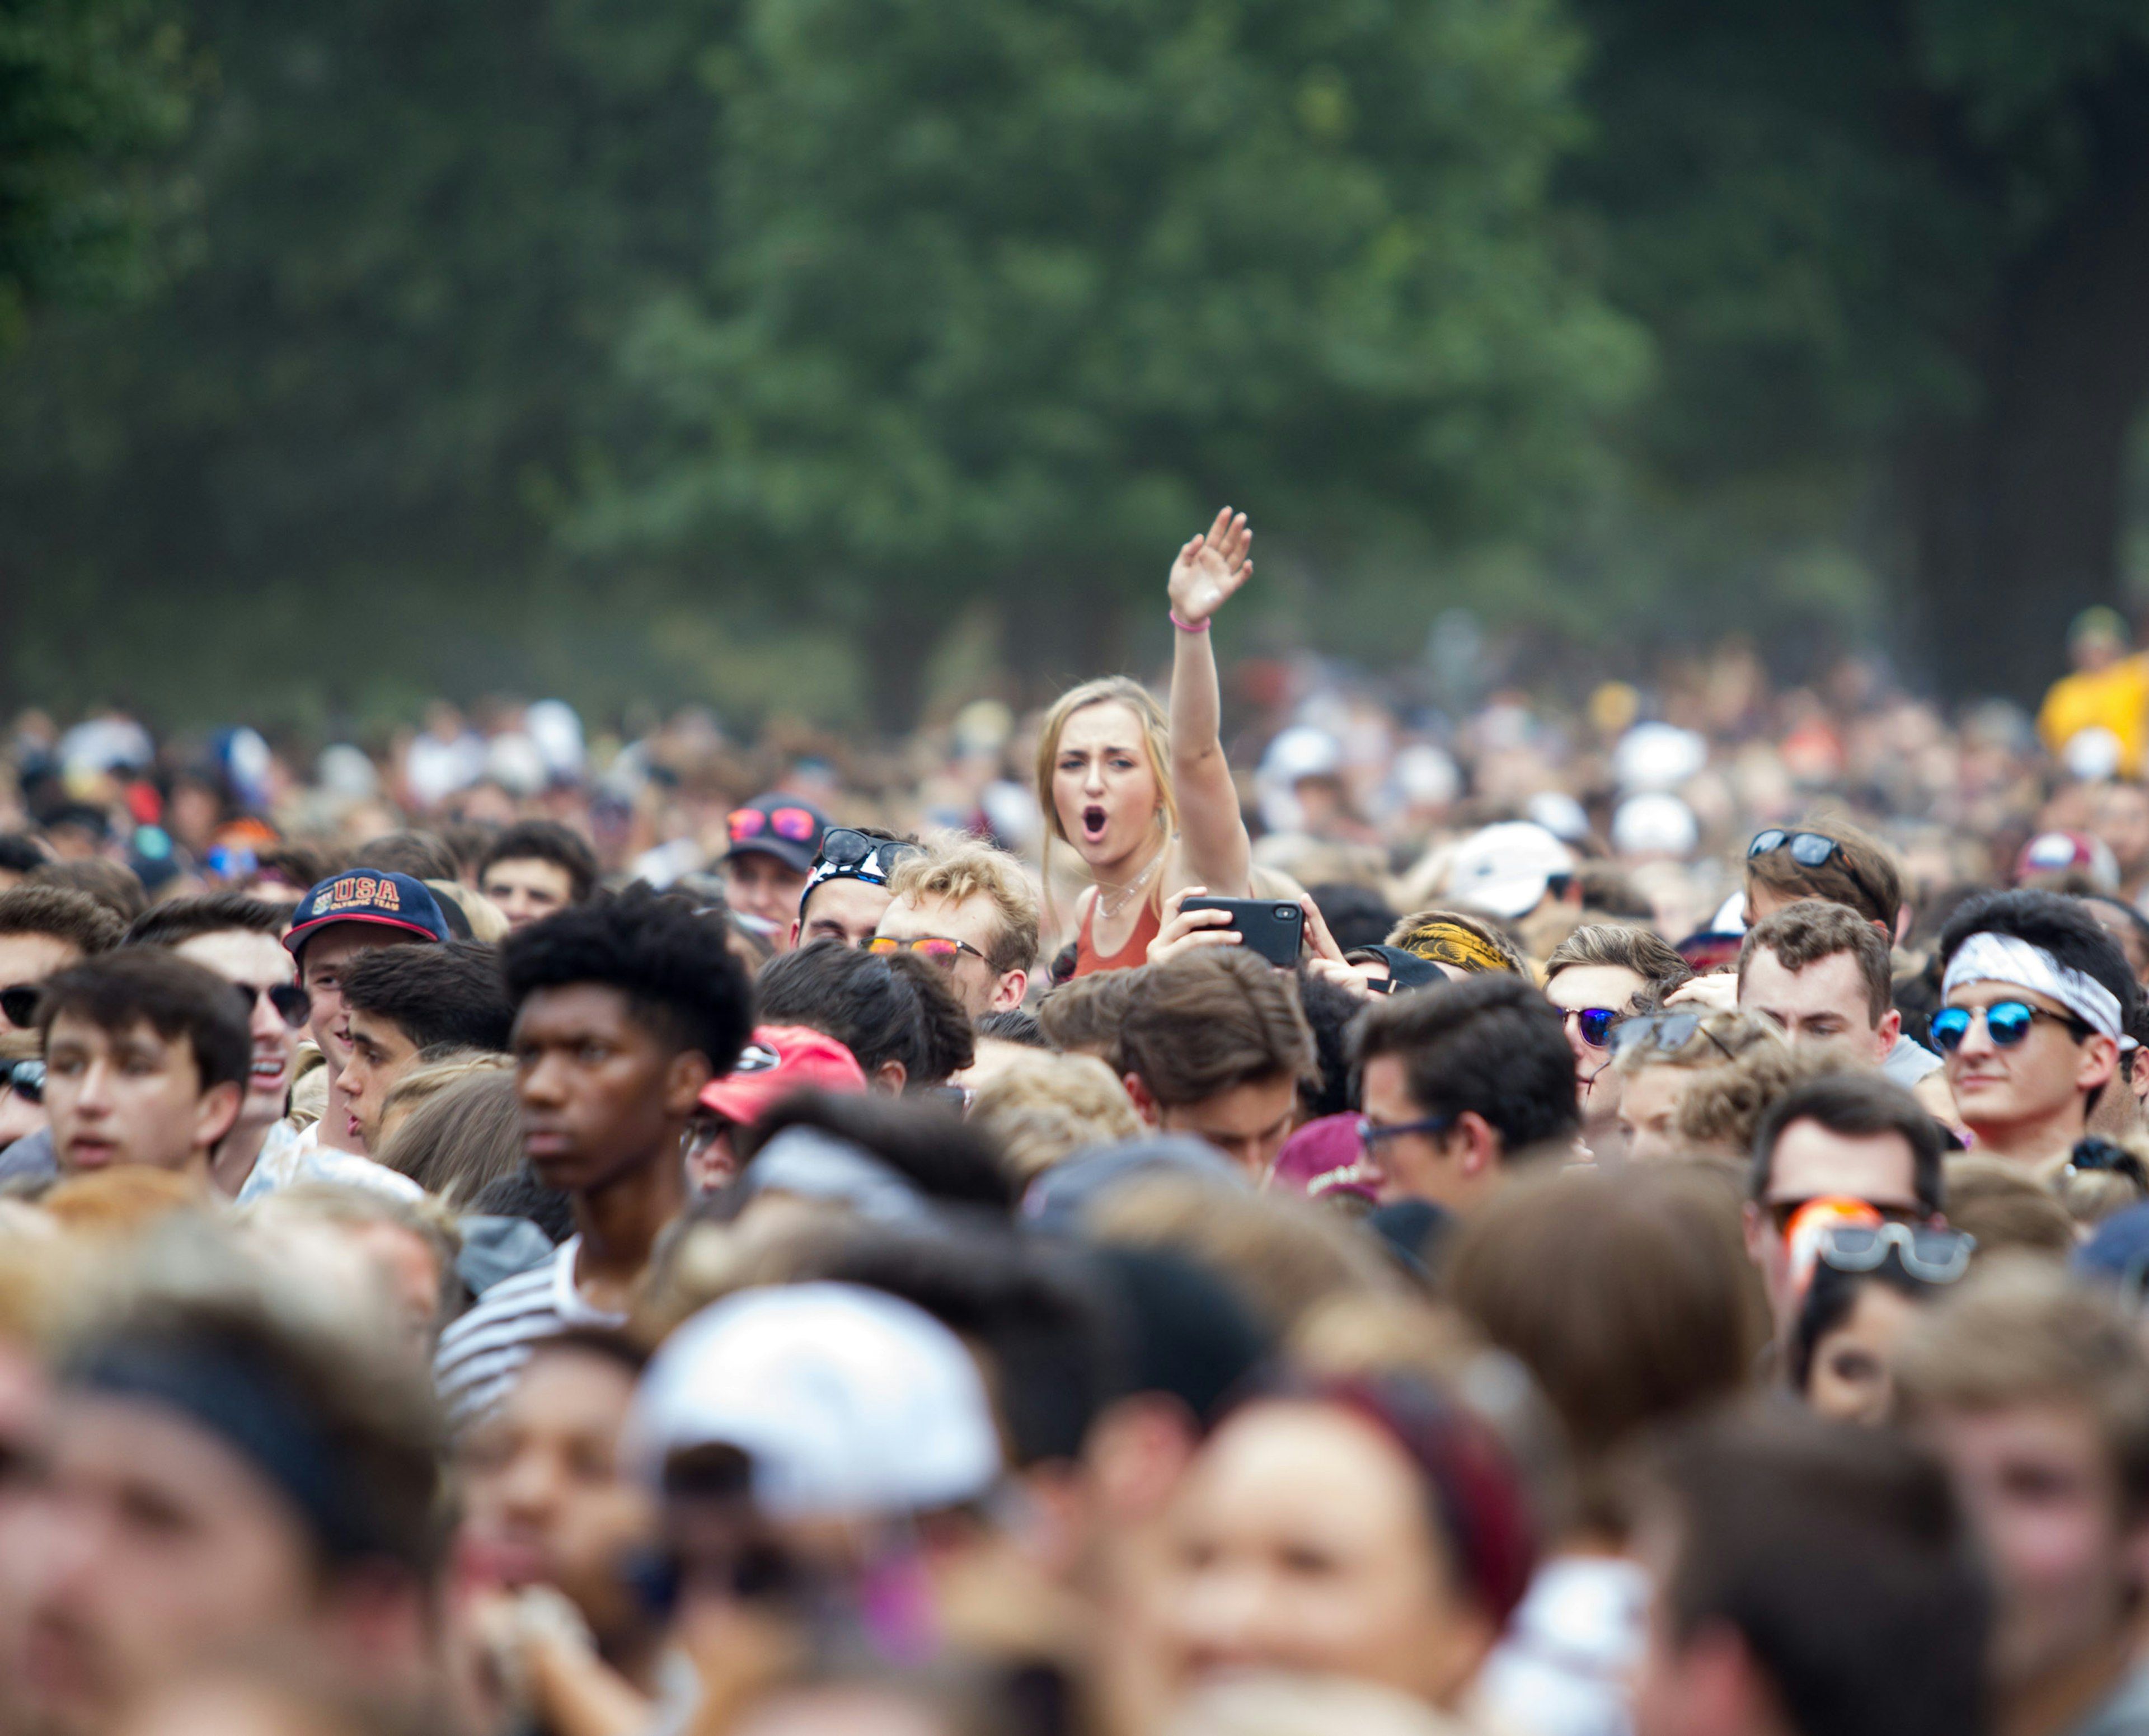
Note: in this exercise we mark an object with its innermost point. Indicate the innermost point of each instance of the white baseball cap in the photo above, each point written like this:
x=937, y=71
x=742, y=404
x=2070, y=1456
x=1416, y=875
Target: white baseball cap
x=1503, y=870
x=846, y=1402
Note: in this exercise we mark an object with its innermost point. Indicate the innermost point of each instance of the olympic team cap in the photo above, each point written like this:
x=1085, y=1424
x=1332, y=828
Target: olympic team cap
x=1505, y=870
x=373, y=896
x=846, y=1402
x=779, y=1060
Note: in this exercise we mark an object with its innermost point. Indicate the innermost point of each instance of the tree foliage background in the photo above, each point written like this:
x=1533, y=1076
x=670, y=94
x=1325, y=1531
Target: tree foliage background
x=753, y=350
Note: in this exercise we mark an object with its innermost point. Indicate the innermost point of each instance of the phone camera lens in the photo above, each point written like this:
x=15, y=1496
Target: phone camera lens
x=1284, y=912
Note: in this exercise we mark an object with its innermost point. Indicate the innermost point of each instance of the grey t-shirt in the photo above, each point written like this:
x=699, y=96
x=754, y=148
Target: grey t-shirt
x=1908, y=1062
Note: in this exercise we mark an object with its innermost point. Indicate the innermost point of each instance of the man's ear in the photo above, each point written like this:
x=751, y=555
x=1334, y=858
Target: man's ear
x=1009, y=991
x=688, y=1071
x=217, y=1112
x=1145, y=1105
x=2099, y=1065
x=1886, y=1033
x=891, y=1077
x=1481, y=1146
x=791, y=939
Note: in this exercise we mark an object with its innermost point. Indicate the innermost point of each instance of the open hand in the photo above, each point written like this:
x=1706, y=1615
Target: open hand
x=1211, y=567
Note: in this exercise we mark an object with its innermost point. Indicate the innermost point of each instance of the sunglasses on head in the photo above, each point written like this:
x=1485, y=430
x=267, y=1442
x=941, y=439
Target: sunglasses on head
x=1595, y=1023
x=2006, y=1022
x=1667, y=1033
x=1809, y=850
x=1927, y=1251
x=943, y=949
x=1782, y=1211
x=846, y=846
x=793, y=824
x=25, y=1079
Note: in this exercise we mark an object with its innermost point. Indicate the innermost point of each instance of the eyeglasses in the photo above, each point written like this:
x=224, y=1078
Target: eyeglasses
x=1371, y=1137
x=1782, y=1211
x=1667, y=1033
x=1594, y=1023
x=20, y=1004
x=2006, y=1022
x=25, y=1079
x=795, y=824
x=1809, y=850
x=1927, y=1251
x=943, y=949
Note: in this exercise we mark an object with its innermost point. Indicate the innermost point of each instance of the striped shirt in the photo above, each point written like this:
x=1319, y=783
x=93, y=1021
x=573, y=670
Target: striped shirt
x=481, y=1353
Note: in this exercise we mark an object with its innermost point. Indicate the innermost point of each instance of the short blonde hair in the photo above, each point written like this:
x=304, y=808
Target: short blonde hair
x=961, y=868
x=1042, y=1107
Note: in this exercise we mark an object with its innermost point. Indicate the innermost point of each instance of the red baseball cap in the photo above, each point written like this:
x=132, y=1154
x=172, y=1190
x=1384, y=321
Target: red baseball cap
x=779, y=1060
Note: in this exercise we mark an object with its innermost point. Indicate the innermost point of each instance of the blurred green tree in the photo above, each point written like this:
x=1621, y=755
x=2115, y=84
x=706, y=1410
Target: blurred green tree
x=1896, y=256
x=1007, y=295
x=322, y=466
x=92, y=92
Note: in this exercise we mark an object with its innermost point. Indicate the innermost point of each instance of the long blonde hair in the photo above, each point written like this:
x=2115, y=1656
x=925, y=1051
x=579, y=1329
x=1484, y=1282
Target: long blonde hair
x=1156, y=737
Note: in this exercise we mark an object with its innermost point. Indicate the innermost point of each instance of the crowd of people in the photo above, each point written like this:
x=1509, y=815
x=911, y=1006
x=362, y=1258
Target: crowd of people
x=1281, y=1209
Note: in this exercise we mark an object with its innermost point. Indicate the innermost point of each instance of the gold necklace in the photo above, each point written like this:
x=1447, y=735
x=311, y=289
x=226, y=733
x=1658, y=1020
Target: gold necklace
x=1107, y=908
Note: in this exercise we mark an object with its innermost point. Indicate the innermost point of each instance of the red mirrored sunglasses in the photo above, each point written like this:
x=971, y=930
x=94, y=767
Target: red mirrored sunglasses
x=795, y=824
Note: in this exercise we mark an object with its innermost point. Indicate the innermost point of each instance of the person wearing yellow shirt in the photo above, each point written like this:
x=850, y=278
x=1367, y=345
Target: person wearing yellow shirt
x=2109, y=690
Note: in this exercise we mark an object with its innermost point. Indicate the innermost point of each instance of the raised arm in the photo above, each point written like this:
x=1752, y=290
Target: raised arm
x=1214, y=848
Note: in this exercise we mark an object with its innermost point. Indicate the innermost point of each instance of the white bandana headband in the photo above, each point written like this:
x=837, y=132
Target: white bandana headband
x=1990, y=958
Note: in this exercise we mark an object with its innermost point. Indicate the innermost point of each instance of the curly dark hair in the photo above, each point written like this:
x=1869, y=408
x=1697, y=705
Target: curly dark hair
x=677, y=973
x=544, y=841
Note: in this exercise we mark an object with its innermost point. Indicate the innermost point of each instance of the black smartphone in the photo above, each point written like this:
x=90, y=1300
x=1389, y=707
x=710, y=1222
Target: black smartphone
x=1274, y=928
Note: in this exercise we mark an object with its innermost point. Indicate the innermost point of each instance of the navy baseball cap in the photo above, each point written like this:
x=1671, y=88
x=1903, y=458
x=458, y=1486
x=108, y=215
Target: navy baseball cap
x=779, y=826
x=368, y=895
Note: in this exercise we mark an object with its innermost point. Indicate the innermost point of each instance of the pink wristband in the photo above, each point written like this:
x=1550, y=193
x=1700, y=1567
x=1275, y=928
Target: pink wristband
x=1186, y=626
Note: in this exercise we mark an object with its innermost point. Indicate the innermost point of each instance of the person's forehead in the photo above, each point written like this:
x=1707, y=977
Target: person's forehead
x=75, y=1030
x=524, y=869
x=339, y=941
x=760, y=865
x=572, y=1009
x=1109, y=723
x=378, y=1029
x=1811, y=1160
x=1830, y=981
x=570, y=1386
x=1986, y=995
x=241, y=955
x=1252, y=1108
x=123, y=1443
x=1594, y=985
x=853, y=903
x=24, y=958
x=931, y=913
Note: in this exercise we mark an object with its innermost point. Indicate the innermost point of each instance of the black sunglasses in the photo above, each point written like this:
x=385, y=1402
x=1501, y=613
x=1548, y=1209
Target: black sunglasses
x=20, y=1004
x=846, y=846
x=292, y=1003
x=25, y=1079
x=1809, y=850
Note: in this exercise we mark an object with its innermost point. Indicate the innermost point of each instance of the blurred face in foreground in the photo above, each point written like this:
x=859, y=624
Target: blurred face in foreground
x=546, y=1501
x=1305, y=1543
x=151, y=1548
x=1813, y=1162
x=2039, y=1485
x=1649, y=1111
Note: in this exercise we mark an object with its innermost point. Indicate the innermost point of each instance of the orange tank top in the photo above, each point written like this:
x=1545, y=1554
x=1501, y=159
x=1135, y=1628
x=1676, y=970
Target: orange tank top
x=1135, y=952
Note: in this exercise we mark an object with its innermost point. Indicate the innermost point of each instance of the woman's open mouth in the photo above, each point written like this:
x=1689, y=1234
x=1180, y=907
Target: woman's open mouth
x=1093, y=822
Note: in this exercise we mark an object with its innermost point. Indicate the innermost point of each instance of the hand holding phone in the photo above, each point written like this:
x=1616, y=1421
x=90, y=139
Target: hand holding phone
x=1274, y=928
